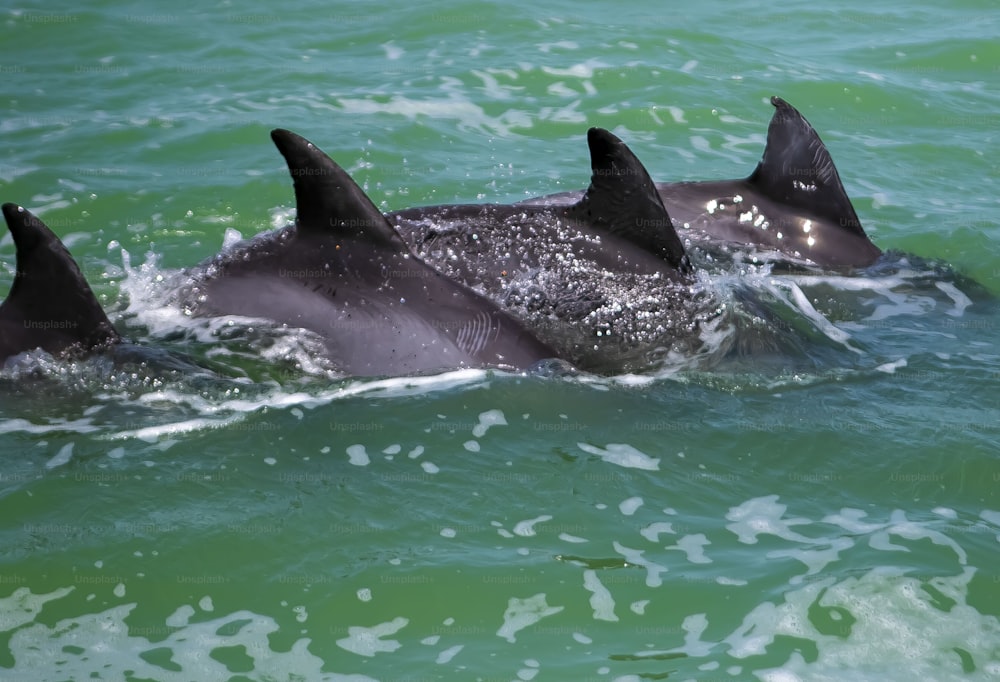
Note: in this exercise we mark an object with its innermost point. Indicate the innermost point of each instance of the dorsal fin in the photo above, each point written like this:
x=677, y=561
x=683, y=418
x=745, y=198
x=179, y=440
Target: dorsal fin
x=50, y=304
x=327, y=199
x=797, y=170
x=443, y=324
x=623, y=200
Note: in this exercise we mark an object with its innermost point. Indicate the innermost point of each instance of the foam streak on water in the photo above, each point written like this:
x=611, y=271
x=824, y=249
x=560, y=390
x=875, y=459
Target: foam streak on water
x=884, y=620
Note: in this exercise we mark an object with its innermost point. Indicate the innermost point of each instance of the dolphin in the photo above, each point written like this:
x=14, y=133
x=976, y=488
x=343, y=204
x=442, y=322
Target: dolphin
x=793, y=203
x=50, y=305
x=606, y=280
x=342, y=272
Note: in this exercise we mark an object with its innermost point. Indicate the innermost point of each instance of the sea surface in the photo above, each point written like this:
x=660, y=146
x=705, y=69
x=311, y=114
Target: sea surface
x=826, y=511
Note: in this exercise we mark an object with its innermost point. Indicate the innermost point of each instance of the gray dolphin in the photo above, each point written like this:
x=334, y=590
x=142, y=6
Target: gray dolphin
x=50, y=305
x=344, y=273
x=793, y=203
x=605, y=281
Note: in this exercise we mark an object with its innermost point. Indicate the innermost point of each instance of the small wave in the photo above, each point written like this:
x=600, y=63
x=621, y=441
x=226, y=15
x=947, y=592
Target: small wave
x=771, y=330
x=891, y=619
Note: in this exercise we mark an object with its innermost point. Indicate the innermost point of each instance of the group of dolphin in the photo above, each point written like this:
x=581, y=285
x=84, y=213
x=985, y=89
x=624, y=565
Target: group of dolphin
x=600, y=278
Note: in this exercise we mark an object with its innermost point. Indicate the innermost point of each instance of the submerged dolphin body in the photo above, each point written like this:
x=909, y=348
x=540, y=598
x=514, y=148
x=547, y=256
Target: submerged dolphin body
x=50, y=305
x=793, y=203
x=606, y=280
x=343, y=272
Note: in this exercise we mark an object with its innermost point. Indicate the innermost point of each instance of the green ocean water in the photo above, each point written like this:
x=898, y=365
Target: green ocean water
x=830, y=513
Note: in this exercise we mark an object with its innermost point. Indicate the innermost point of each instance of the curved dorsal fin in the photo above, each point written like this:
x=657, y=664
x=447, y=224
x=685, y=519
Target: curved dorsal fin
x=416, y=319
x=797, y=170
x=327, y=199
x=50, y=304
x=623, y=200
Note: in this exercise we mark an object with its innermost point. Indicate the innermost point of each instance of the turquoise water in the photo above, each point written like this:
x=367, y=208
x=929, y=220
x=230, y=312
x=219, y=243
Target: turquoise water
x=828, y=513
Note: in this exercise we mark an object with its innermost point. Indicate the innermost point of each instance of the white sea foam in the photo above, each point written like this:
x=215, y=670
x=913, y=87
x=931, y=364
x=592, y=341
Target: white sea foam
x=886, y=626
x=884, y=623
x=653, y=531
x=764, y=515
x=526, y=529
x=601, y=600
x=635, y=556
x=85, y=425
x=814, y=559
x=955, y=294
x=522, y=613
x=230, y=410
x=488, y=419
x=694, y=547
x=446, y=655
x=80, y=647
x=60, y=458
x=623, y=455
x=639, y=607
x=22, y=606
x=368, y=641
x=630, y=506
x=793, y=295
